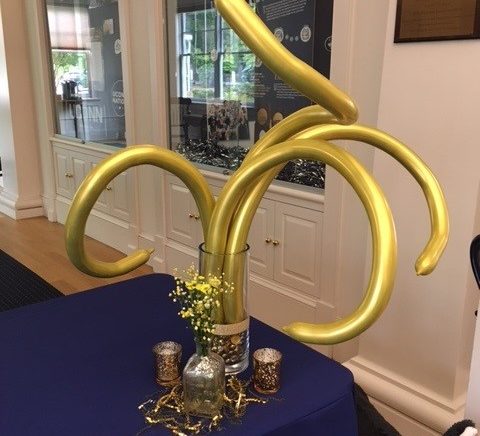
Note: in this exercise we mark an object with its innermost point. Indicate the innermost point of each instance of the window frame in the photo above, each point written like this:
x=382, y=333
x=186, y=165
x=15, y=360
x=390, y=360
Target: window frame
x=220, y=27
x=56, y=134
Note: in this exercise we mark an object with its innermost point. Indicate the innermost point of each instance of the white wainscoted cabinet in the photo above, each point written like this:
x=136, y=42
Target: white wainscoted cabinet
x=285, y=241
x=111, y=214
x=182, y=217
x=70, y=169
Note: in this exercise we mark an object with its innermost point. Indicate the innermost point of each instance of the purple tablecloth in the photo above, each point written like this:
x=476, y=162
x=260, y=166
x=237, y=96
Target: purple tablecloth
x=81, y=365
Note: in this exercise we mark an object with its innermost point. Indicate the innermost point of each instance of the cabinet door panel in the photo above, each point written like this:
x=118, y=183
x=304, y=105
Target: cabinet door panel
x=177, y=259
x=276, y=309
x=102, y=203
x=198, y=228
x=261, y=251
x=297, y=255
x=63, y=173
x=179, y=202
x=81, y=167
x=119, y=197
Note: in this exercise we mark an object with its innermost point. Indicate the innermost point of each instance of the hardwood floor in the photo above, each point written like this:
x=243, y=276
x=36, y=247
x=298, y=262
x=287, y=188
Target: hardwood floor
x=39, y=245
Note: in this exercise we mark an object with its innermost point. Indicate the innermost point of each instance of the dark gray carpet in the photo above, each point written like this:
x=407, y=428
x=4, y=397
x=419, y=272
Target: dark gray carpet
x=19, y=286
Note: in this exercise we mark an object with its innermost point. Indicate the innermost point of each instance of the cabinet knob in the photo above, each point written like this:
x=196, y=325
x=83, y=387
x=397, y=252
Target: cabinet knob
x=108, y=188
x=276, y=243
x=268, y=240
x=68, y=175
x=197, y=217
x=191, y=215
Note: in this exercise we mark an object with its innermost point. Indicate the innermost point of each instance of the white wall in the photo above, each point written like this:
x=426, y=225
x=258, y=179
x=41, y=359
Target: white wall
x=357, y=66
x=21, y=195
x=428, y=99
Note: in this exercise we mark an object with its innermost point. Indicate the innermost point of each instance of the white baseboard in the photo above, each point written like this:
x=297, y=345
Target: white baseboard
x=49, y=208
x=413, y=407
x=104, y=228
x=405, y=425
x=157, y=261
x=14, y=208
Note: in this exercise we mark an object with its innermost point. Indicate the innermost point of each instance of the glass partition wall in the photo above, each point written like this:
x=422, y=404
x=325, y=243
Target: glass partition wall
x=86, y=72
x=222, y=98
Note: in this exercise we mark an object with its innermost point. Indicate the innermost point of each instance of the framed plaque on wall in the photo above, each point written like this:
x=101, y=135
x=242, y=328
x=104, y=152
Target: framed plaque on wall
x=436, y=20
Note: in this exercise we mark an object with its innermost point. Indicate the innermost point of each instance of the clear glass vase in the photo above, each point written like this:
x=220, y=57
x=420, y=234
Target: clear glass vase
x=204, y=383
x=231, y=339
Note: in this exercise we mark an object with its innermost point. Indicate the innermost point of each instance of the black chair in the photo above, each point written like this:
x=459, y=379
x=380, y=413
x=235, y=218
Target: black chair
x=475, y=259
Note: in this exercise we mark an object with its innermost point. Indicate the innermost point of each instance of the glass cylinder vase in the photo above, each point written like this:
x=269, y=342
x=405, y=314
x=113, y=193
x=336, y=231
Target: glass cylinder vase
x=204, y=383
x=231, y=339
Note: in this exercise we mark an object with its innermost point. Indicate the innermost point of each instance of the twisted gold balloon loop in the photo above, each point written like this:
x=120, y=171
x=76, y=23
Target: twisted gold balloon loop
x=97, y=181
x=379, y=214
x=298, y=74
x=430, y=255
x=301, y=135
x=434, y=248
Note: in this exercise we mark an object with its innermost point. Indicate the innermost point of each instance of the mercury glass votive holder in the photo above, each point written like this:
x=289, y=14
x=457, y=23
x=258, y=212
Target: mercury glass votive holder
x=167, y=363
x=266, y=370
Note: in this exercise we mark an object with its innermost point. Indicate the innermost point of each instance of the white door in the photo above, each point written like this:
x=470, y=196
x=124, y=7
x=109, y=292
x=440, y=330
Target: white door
x=181, y=212
x=298, y=235
x=81, y=165
x=64, y=173
x=179, y=259
x=261, y=238
x=276, y=309
x=119, y=205
x=102, y=203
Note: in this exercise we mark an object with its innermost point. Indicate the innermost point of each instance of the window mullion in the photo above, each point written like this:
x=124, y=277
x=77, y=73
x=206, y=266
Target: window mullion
x=218, y=45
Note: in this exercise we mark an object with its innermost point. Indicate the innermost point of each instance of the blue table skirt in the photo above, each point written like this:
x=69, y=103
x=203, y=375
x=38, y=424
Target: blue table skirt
x=81, y=365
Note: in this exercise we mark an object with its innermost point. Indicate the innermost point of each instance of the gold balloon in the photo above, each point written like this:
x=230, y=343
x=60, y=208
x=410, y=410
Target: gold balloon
x=299, y=75
x=430, y=256
x=99, y=178
x=383, y=233
x=304, y=134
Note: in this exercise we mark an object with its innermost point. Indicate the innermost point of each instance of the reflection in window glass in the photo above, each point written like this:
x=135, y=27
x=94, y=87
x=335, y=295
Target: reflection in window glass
x=87, y=70
x=211, y=85
x=222, y=98
x=214, y=62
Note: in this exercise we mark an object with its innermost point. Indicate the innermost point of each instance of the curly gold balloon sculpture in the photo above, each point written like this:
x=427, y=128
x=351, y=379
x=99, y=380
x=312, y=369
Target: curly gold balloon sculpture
x=304, y=134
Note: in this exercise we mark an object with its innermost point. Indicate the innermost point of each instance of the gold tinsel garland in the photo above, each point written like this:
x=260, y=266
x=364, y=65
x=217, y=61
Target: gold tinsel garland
x=168, y=409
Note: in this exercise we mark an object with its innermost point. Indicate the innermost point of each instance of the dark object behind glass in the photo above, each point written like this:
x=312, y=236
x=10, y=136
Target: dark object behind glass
x=87, y=70
x=222, y=97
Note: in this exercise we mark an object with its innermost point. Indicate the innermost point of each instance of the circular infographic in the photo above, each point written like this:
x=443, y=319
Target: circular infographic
x=118, y=99
x=306, y=34
x=279, y=34
x=117, y=46
x=328, y=44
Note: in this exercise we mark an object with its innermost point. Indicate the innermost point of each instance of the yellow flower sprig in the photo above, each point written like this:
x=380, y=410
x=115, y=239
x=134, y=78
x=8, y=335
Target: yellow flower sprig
x=198, y=297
